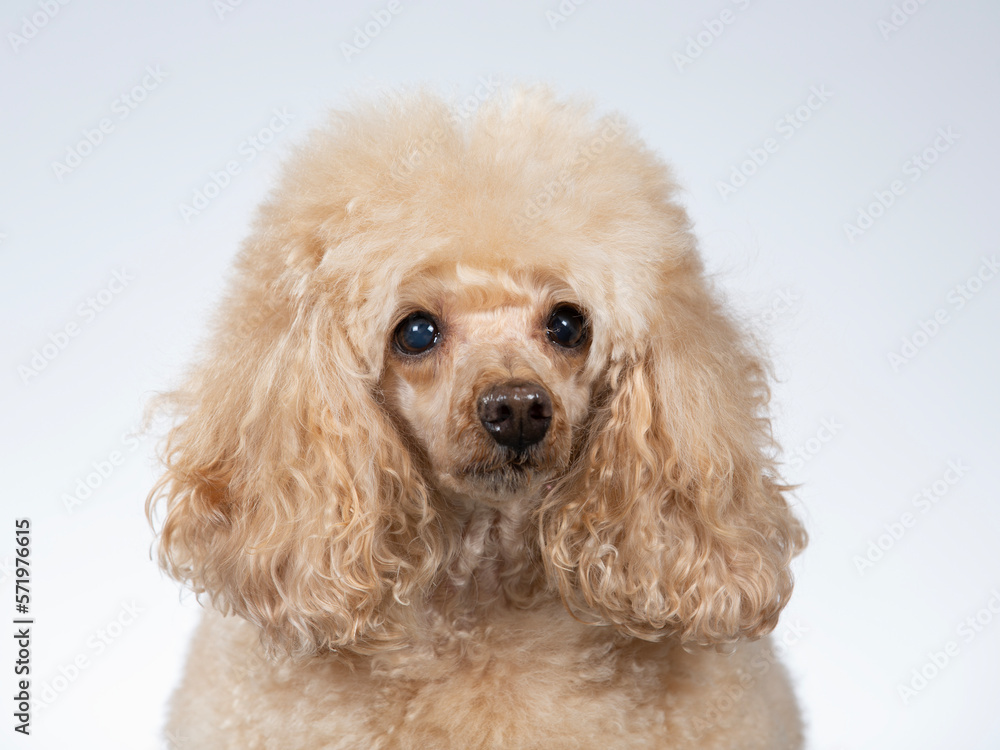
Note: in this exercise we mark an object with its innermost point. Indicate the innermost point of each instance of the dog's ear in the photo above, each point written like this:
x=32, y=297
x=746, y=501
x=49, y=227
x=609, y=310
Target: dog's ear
x=289, y=496
x=675, y=523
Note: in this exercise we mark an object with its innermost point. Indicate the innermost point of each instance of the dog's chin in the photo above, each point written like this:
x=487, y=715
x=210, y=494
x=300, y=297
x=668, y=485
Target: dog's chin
x=498, y=484
x=513, y=479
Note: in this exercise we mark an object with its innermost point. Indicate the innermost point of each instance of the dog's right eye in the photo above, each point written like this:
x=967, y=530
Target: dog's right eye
x=567, y=327
x=417, y=333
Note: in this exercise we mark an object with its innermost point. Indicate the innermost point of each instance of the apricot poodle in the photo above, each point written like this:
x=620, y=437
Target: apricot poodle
x=476, y=458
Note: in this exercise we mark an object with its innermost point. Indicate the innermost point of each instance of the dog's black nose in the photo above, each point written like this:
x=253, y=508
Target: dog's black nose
x=516, y=414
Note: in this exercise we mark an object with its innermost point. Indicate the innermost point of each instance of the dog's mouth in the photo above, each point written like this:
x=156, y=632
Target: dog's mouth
x=512, y=471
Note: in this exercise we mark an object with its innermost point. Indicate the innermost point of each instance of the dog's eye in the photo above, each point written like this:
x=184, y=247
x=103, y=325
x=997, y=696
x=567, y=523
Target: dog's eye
x=566, y=327
x=417, y=333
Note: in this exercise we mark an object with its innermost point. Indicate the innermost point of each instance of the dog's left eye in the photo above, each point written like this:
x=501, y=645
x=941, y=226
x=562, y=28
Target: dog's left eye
x=417, y=333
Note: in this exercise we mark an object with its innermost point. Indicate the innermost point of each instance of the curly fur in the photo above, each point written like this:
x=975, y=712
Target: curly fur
x=344, y=502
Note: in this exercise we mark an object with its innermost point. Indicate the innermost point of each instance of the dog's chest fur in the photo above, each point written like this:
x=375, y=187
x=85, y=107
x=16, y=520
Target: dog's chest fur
x=535, y=679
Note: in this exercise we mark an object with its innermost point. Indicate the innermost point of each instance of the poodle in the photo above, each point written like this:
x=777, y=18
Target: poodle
x=476, y=457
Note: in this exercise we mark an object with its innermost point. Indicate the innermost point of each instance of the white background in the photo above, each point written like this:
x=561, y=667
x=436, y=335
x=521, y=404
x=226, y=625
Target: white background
x=832, y=310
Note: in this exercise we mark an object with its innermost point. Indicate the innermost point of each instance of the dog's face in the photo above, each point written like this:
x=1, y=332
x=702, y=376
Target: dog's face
x=488, y=374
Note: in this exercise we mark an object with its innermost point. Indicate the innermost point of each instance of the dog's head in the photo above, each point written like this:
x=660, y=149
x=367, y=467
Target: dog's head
x=502, y=311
